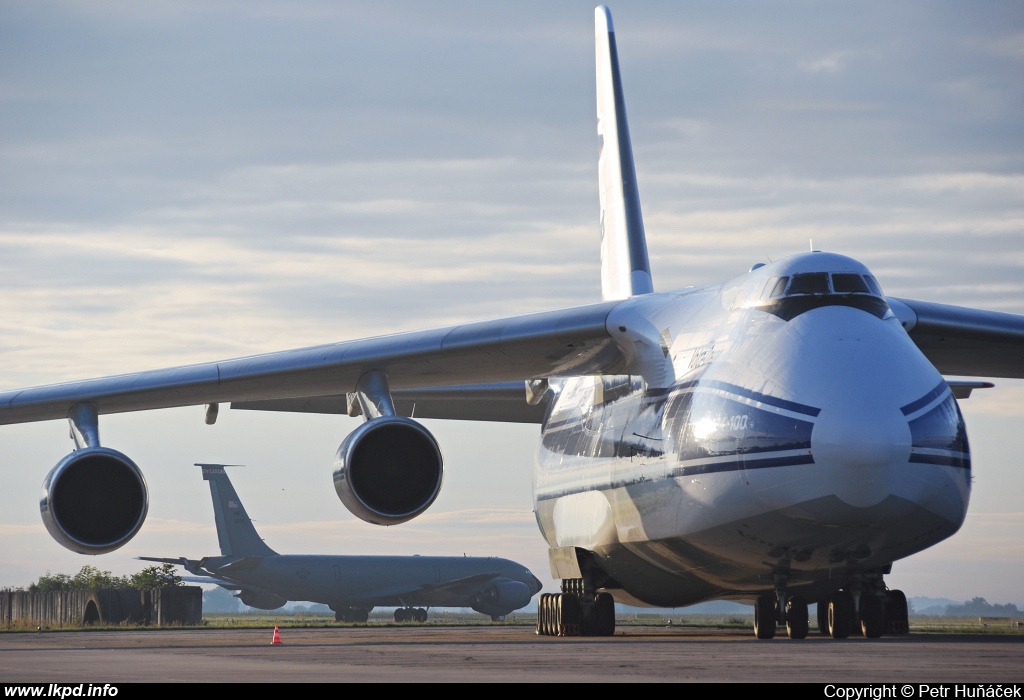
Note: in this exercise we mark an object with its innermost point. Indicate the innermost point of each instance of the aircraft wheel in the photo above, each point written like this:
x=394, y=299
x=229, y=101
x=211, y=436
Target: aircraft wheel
x=823, y=616
x=360, y=615
x=872, y=616
x=572, y=615
x=897, y=613
x=421, y=615
x=604, y=615
x=796, y=617
x=338, y=616
x=840, y=615
x=401, y=615
x=764, y=616
x=542, y=614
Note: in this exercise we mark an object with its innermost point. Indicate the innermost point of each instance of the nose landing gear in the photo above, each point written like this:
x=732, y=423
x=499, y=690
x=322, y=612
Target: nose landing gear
x=769, y=611
x=887, y=613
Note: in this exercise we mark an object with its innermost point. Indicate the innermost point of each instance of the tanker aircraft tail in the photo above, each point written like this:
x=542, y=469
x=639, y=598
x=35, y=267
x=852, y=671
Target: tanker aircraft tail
x=235, y=531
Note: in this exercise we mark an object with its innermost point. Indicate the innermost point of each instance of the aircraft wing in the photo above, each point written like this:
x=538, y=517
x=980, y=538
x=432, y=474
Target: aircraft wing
x=565, y=342
x=404, y=591
x=963, y=341
x=475, y=579
x=503, y=401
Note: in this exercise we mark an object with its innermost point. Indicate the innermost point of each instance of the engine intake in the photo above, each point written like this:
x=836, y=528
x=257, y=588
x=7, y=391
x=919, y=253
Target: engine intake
x=502, y=597
x=94, y=500
x=388, y=470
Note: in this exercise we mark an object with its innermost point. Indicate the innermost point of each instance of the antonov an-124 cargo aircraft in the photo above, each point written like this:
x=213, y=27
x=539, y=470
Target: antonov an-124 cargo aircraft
x=780, y=438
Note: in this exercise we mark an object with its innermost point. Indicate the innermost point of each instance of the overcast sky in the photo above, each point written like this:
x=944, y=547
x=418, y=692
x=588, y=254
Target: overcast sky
x=196, y=181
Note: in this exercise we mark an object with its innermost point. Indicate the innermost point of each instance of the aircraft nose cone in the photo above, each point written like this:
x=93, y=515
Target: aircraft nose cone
x=862, y=439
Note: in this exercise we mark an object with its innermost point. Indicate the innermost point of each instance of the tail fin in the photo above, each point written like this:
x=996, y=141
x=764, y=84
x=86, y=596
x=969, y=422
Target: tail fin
x=625, y=270
x=235, y=532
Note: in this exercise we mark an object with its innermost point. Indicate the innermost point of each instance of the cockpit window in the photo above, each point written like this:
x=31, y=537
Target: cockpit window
x=810, y=283
x=848, y=283
x=780, y=287
x=873, y=284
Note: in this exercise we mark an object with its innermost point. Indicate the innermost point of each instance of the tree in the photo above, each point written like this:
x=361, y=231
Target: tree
x=91, y=577
x=155, y=577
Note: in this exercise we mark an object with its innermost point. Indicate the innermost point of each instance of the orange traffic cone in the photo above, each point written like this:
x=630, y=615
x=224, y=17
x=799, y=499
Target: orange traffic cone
x=277, y=636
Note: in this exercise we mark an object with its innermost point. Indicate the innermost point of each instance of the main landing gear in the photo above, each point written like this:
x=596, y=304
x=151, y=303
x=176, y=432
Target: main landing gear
x=575, y=612
x=410, y=615
x=351, y=615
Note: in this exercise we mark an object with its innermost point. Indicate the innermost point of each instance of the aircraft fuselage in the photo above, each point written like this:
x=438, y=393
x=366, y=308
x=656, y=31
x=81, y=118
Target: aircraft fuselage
x=341, y=581
x=783, y=424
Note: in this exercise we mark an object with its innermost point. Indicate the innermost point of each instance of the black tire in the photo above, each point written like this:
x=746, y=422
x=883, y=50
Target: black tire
x=840, y=615
x=872, y=616
x=572, y=615
x=548, y=614
x=401, y=615
x=897, y=613
x=542, y=614
x=420, y=615
x=604, y=615
x=823, y=616
x=765, y=616
x=797, y=624
x=360, y=615
x=556, y=606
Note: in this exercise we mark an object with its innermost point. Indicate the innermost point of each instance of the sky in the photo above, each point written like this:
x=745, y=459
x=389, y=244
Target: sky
x=204, y=180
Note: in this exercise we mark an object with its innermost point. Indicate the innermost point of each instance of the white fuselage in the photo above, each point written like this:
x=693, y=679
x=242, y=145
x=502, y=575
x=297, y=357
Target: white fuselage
x=801, y=435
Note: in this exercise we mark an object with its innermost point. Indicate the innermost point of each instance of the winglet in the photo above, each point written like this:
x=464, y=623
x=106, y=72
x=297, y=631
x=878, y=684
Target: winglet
x=625, y=269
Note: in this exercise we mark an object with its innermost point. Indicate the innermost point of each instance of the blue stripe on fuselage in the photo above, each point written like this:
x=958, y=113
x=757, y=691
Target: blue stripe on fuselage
x=926, y=399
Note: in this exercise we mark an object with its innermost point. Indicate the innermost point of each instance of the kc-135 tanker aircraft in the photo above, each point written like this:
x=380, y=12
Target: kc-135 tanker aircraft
x=350, y=585
x=780, y=438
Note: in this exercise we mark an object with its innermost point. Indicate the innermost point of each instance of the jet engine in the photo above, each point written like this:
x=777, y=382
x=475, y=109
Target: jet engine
x=388, y=470
x=94, y=500
x=263, y=600
x=502, y=597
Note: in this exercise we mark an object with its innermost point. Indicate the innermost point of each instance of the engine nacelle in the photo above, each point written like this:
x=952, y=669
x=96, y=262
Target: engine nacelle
x=388, y=470
x=263, y=600
x=502, y=597
x=94, y=500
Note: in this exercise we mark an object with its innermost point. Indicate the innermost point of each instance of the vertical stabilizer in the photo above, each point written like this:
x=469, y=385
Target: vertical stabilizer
x=235, y=532
x=625, y=270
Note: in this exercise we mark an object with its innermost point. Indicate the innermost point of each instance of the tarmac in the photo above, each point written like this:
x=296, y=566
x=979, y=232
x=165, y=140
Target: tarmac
x=499, y=653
